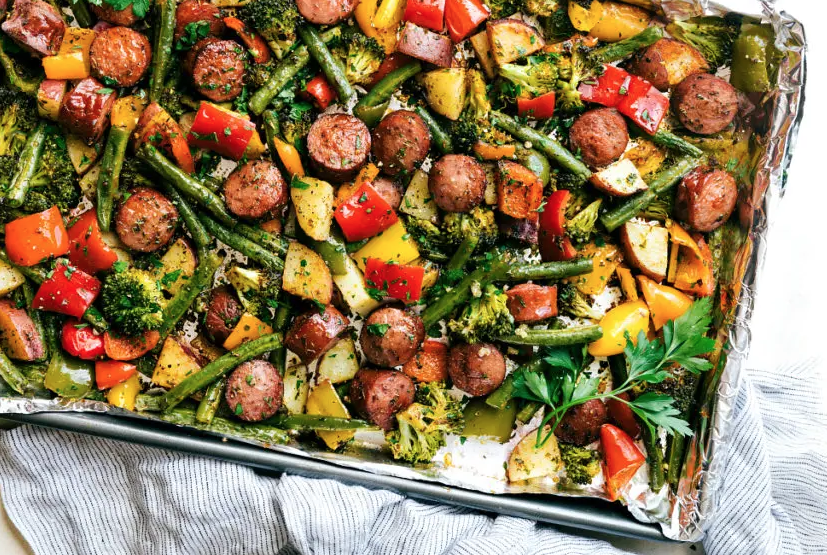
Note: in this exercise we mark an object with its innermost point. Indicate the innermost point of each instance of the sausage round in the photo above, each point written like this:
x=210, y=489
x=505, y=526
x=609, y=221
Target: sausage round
x=529, y=302
x=223, y=313
x=704, y=104
x=254, y=391
x=36, y=26
x=581, y=423
x=600, y=136
x=667, y=62
x=401, y=142
x=189, y=58
x=120, y=55
x=125, y=17
x=85, y=110
x=706, y=198
x=378, y=395
x=457, y=183
x=146, y=221
x=255, y=189
x=476, y=369
x=326, y=12
x=338, y=145
x=389, y=190
x=193, y=11
x=313, y=333
x=218, y=70
x=391, y=336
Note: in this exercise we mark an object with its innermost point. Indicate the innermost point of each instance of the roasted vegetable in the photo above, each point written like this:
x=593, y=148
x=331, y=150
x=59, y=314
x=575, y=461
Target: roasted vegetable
x=132, y=301
x=276, y=20
x=486, y=316
x=712, y=35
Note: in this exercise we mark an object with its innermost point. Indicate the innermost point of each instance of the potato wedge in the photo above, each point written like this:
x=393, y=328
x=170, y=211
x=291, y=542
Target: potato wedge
x=10, y=278
x=324, y=400
x=351, y=285
x=646, y=247
x=482, y=48
x=296, y=387
x=81, y=154
x=668, y=62
x=19, y=336
x=620, y=21
x=445, y=90
x=177, y=266
x=306, y=275
x=527, y=461
x=424, y=44
x=619, y=179
x=89, y=182
x=313, y=199
x=512, y=39
x=174, y=364
x=418, y=200
x=340, y=363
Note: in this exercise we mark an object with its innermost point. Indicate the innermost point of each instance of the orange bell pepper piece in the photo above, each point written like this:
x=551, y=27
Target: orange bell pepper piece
x=32, y=239
x=665, y=303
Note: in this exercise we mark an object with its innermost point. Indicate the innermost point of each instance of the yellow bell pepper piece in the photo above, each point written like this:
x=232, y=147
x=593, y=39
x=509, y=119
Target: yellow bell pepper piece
x=606, y=260
x=665, y=303
x=248, y=328
x=620, y=21
x=627, y=283
x=365, y=13
x=584, y=18
x=630, y=317
x=290, y=157
x=123, y=395
x=395, y=243
x=390, y=13
x=72, y=60
x=324, y=400
x=367, y=174
x=255, y=148
x=126, y=111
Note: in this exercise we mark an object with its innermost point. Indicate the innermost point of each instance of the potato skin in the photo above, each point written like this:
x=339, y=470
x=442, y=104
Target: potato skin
x=19, y=337
x=223, y=313
x=313, y=333
x=668, y=62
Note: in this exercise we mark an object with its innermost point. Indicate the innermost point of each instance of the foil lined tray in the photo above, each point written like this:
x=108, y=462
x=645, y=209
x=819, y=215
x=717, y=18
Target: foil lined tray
x=478, y=465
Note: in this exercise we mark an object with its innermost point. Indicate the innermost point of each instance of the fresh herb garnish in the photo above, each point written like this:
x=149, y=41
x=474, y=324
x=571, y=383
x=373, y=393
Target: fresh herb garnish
x=379, y=330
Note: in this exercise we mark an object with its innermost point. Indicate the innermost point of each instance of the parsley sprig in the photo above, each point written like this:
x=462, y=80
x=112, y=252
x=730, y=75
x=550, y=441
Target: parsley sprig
x=563, y=385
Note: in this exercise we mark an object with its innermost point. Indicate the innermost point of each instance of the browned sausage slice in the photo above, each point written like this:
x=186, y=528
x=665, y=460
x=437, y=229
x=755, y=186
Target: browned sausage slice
x=391, y=336
x=218, y=70
x=476, y=369
x=120, y=56
x=254, y=391
x=193, y=11
x=581, y=423
x=457, y=183
x=125, y=17
x=530, y=303
x=85, y=109
x=389, y=190
x=426, y=45
x=326, y=12
x=401, y=142
x=36, y=26
x=255, y=189
x=146, y=221
x=378, y=395
x=704, y=103
x=223, y=313
x=338, y=145
x=600, y=136
x=312, y=333
x=706, y=198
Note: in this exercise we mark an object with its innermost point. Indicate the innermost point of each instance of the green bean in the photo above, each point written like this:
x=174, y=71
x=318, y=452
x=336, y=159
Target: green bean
x=503, y=394
x=385, y=88
x=551, y=270
x=669, y=140
x=555, y=338
x=210, y=401
x=246, y=247
x=110, y=174
x=278, y=356
x=219, y=368
x=661, y=182
x=94, y=318
x=331, y=66
x=80, y=9
x=548, y=146
x=622, y=49
x=181, y=302
x=189, y=186
x=315, y=422
x=198, y=232
x=274, y=243
x=162, y=49
x=12, y=375
x=27, y=166
x=441, y=138
x=463, y=253
x=528, y=411
x=182, y=416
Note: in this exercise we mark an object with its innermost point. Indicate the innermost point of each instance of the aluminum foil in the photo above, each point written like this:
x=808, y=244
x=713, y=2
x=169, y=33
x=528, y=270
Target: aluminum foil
x=479, y=464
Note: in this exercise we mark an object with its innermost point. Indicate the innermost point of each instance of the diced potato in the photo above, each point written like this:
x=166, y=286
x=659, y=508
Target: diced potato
x=490, y=195
x=445, y=90
x=351, y=285
x=248, y=328
x=512, y=39
x=82, y=155
x=313, y=199
x=606, y=259
x=306, y=275
x=619, y=21
x=340, y=363
x=296, y=387
x=324, y=400
x=395, y=243
x=619, y=179
x=646, y=156
x=646, y=247
x=174, y=365
x=10, y=278
x=206, y=349
x=482, y=48
x=177, y=266
x=585, y=15
x=527, y=461
x=89, y=182
x=668, y=62
x=418, y=200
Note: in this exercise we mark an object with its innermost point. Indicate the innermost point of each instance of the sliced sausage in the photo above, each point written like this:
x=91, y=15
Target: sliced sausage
x=218, y=70
x=338, y=145
x=426, y=45
x=600, y=136
x=255, y=189
x=704, y=103
x=120, y=56
x=476, y=369
x=192, y=53
x=667, y=62
x=313, y=333
x=401, y=142
x=223, y=312
x=125, y=17
x=623, y=416
x=389, y=190
x=146, y=221
x=706, y=198
x=524, y=230
x=378, y=395
x=326, y=12
x=529, y=302
x=581, y=423
x=85, y=109
x=193, y=11
x=19, y=336
x=457, y=183
x=36, y=26
x=254, y=391
x=390, y=336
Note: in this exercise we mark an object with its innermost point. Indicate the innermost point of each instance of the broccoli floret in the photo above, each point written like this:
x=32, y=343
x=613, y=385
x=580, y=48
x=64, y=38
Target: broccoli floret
x=295, y=122
x=276, y=20
x=258, y=74
x=256, y=289
x=424, y=424
x=429, y=238
x=55, y=182
x=25, y=77
x=582, y=464
x=360, y=54
x=503, y=8
x=485, y=317
x=572, y=68
x=538, y=77
x=132, y=301
x=712, y=36
x=680, y=385
x=542, y=7
x=473, y=124
x=457, y=226
x=18, y=116
x=580, y=227
x=557, y=26
x=573, y=303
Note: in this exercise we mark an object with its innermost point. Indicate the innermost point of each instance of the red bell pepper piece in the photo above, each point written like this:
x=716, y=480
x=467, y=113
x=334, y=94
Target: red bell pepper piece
x=392, y=61
x=222, y=131
x=399, y=281
x=68, y=291
x=622, y=458
x=643, y=104
x=605, y=88
x=87, y=250
x=540, y=107
x=34, y=238
x=364, y=214
x=321, y=91
x=462, y=17
x=255, y=43
x=426, y=13
x=109, y=373
x=81, y=340
x=553, y=243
